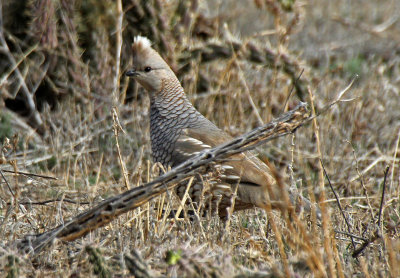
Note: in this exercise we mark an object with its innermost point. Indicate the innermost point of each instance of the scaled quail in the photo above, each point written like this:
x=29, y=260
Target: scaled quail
x=178, y=131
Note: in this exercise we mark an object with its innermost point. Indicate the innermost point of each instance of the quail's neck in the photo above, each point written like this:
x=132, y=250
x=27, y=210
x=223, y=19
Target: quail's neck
x=171, y=98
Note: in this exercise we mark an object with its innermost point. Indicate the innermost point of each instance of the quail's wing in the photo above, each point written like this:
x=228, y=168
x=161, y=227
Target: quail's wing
x=186, y=147
x=194, y=140
x=246, y=170
x=222, y=178
x=245, y=166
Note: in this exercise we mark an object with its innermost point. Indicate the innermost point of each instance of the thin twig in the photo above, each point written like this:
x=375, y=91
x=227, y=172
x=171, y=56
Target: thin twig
x=358, y=251
x=361, y=177
x=248, y=95
x=29, y=174
x=12, y=193
x=338, y=202
x=42, y=203
x=394, y=161
x=383, y=196
x=118, y=53
x=184, y=197
x=338, y=99
x=291, y=90
x=350, y=235
x=377, y=234
x=117, y=127
x=8, y=185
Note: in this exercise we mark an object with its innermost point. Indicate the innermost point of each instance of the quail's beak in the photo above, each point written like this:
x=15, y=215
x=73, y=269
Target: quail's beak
x=132, y=73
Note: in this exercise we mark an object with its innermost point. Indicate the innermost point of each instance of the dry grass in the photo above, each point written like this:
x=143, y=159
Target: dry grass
x=356, y=140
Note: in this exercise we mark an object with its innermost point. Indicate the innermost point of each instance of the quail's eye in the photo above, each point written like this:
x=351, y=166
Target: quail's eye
x=147, y=69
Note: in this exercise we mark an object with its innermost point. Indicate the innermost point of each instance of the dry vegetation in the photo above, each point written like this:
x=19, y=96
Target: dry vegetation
x=238, y=61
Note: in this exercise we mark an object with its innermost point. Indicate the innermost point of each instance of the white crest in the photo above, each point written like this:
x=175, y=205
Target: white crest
x=145, y=42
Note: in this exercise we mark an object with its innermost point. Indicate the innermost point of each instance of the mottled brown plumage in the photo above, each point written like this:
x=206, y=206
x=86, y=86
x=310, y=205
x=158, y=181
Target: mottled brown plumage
x=178, y=131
